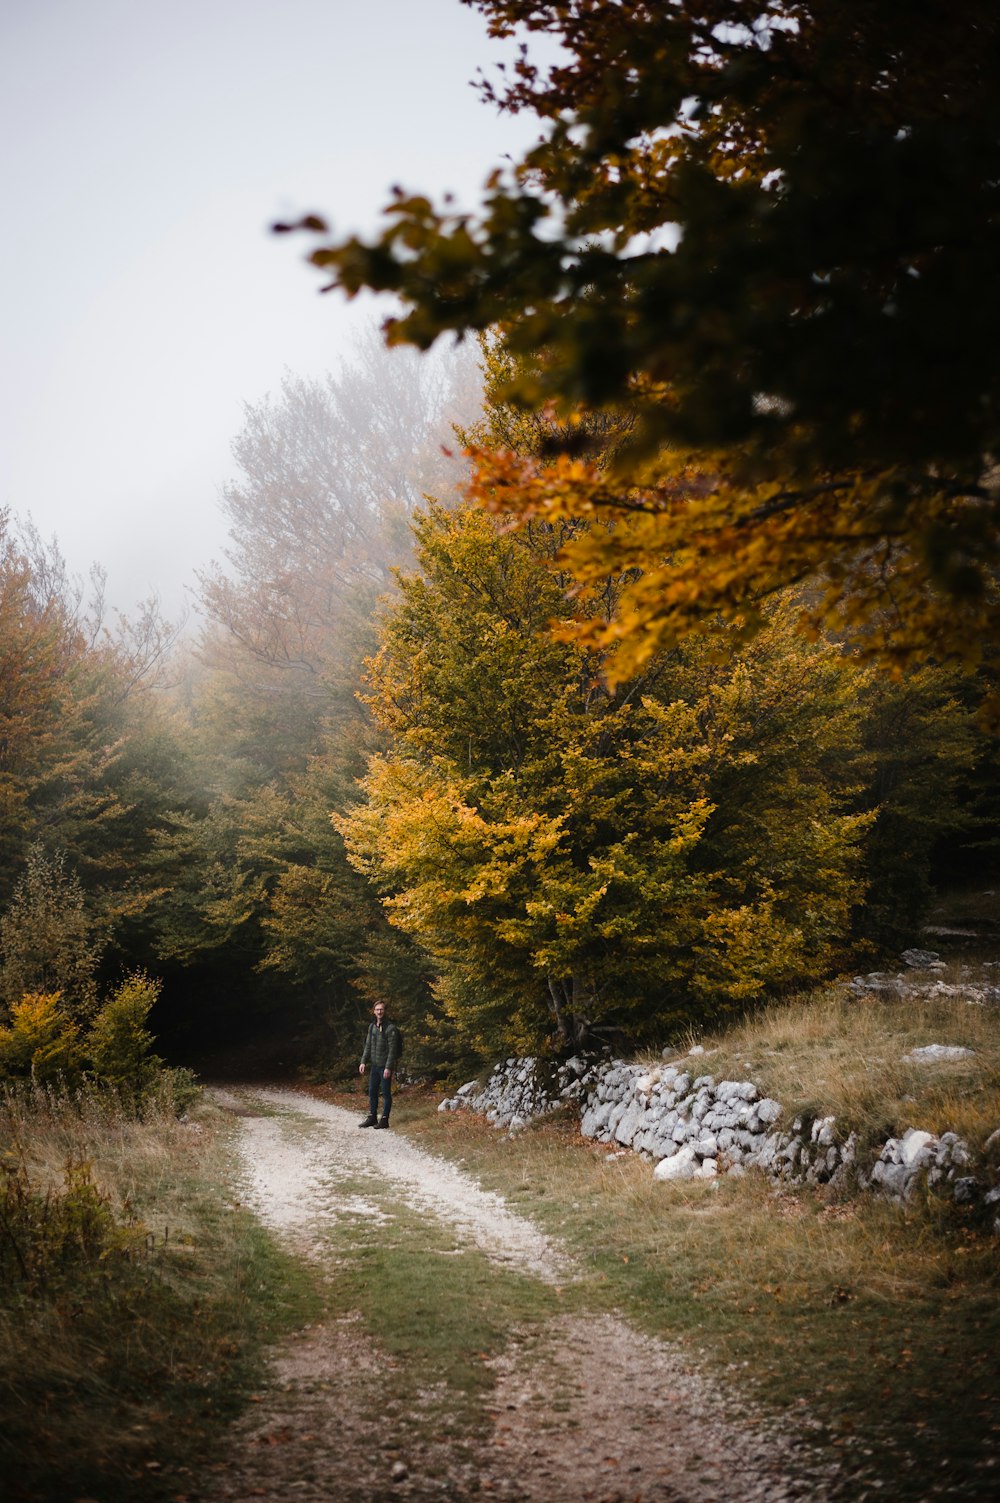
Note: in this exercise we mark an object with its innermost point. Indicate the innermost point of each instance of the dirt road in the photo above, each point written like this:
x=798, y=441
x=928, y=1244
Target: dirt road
x=636, y=1422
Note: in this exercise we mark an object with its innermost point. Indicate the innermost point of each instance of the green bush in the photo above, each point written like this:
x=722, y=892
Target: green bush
x=180, y=1088
x=119, y=1046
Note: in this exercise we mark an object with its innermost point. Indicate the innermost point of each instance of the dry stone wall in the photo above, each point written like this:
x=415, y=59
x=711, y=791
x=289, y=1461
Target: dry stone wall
x=694, y=1127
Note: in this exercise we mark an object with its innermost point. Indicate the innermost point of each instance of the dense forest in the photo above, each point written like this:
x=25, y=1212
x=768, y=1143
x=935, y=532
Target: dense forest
x=633, y=671
x=387, y=766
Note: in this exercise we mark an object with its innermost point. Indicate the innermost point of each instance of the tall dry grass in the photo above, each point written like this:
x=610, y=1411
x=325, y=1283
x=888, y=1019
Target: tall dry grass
x=134, y=1295
x=834, y=1053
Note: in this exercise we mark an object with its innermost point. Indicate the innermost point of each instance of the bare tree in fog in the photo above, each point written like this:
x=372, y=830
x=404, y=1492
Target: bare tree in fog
x=140, y=646
x=330, y=470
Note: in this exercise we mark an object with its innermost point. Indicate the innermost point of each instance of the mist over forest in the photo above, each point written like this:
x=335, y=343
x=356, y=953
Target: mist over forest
x=599, y=674
x=167, y=786
x=380, y=768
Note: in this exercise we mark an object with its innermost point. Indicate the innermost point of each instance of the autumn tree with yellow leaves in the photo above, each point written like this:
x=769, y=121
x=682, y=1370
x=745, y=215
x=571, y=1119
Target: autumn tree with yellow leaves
x=582, y=861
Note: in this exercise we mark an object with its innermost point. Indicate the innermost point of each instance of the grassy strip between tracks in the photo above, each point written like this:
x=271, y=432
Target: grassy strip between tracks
x=436, y=1312
x=877, y=1324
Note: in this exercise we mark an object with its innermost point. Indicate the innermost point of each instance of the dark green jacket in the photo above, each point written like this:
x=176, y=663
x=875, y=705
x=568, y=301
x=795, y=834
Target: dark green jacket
x=381, y=1045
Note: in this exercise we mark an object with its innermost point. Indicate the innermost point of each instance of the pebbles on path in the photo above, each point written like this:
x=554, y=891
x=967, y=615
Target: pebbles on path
x=292, y=1181
x=586, y=1409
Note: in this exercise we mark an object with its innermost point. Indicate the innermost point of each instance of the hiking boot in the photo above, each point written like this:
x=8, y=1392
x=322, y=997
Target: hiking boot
x=370, y=1121
x=382, y=1122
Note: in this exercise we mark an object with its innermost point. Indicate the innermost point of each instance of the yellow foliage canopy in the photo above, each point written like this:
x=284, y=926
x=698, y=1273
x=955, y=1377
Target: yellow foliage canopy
x=576, y=857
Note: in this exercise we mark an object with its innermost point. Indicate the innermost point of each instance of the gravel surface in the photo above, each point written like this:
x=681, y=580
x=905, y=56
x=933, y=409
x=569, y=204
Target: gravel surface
x=586, y=1408
x=292, y=1182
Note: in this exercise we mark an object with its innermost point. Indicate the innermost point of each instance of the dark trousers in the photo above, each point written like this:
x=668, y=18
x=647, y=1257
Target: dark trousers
x=377, y=1082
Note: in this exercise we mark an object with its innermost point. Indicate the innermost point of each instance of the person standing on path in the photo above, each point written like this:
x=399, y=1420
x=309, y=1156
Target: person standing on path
x=380, y=1054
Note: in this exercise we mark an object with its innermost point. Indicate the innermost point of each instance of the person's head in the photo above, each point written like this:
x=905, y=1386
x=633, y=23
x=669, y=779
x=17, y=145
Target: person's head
x=379, y=1011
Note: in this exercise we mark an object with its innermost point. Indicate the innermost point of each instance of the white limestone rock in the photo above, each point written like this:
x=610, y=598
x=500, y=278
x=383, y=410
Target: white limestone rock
x=913, y=1145
x=595, y=1119
x=936, y=1053
x=891, y=1177
x=736, y=1090
x=683, y=1165
x=628, y=1123
x=922, y=960
x=767, y=1154
x=879, y=982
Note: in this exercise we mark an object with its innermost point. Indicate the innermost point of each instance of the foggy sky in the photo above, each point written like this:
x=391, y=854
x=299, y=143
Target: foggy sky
x=145, y=151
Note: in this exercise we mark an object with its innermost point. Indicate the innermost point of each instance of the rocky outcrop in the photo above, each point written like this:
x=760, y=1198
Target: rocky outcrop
x=921, y=981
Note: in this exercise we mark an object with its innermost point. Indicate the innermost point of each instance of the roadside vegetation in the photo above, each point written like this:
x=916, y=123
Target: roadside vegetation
x=138, y=1299
x=136, y=1296
x=836, y=1054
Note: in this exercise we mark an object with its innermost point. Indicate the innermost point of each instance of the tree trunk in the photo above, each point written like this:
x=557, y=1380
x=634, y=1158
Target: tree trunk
x=571, y=1007
x=559, y=1007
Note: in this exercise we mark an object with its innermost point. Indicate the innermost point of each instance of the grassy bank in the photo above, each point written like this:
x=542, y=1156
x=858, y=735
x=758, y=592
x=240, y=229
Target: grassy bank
x=852, y=1057
x=879, y=1323
x=135, y=1297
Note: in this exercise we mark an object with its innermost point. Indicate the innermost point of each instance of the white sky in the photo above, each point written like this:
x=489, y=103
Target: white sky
x=144, y=150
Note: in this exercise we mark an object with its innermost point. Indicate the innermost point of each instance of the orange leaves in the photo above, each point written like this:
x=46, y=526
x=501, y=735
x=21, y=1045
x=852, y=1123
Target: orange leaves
x=768, y=250
x=691, y=543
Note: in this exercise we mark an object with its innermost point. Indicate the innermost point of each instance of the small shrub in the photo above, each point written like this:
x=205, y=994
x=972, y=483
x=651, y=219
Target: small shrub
x=119, y=1045
x=48, y=940
x=47, y=1233
x=42, y=1042
x=181, y=1089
